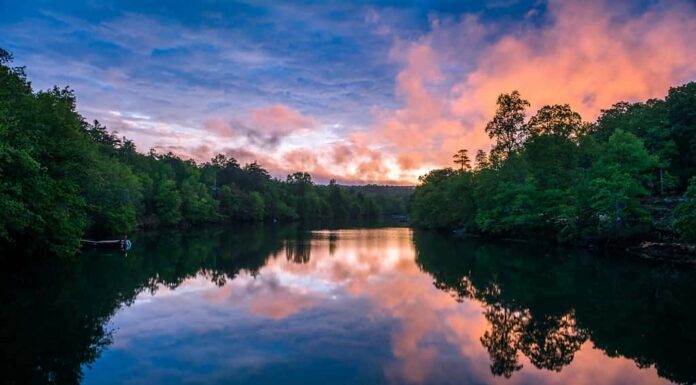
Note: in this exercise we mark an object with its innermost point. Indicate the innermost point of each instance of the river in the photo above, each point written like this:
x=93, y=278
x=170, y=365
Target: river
x=289, y=305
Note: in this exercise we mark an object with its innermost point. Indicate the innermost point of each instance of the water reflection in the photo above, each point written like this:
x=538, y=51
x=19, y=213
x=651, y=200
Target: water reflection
x=547, y=303
x=284, y=304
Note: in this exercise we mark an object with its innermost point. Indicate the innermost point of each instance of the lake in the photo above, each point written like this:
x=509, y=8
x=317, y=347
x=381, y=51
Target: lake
x=290, y=305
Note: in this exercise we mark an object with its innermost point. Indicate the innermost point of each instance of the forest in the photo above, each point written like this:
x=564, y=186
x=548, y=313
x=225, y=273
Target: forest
x=630, y=175
x=63, y=178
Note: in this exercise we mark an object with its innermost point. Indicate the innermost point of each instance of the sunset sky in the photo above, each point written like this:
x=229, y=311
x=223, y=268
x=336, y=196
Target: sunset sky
x=361, y=92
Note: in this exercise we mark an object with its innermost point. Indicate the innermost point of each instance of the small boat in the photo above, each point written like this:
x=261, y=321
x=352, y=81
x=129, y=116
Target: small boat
x=122, y=244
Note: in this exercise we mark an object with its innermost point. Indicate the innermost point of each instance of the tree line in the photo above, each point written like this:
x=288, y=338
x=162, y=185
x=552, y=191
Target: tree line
x=555, y=177
x=62, y=177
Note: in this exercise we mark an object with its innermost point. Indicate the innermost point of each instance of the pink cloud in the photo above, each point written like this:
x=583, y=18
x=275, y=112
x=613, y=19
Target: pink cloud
x=280, y=304
x=587, y=55
x=409, y=161
x=219, y=127
x=301, y=160
x=279, y=118
x=262, y=127
x=342, y=154
x=347, y=162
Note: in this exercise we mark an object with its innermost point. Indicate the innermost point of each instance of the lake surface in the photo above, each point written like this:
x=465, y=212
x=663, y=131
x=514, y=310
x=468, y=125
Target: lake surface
x=287, y=305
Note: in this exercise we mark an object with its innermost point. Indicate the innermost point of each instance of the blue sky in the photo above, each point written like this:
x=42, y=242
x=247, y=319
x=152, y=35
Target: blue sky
x=276, y=81
x=324, y=59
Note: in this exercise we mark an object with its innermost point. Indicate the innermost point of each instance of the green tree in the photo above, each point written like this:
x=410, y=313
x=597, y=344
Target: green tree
x=197, y=203
x=681, y=117
x=556, y=120
x=338, y=202
x=552, y=160
x=648, y=121
x=507, y=126
x=617, y=182
x=253, y=207
x=168, y=203
x=113, y=195
x=44, y=160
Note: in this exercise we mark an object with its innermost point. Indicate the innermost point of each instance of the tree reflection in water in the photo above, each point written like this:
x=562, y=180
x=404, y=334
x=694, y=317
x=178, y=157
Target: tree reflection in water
x=550, y=342
x=540, y=304
x=54, y=318
x=545, y=303
x=298, y=249
x=503, y=340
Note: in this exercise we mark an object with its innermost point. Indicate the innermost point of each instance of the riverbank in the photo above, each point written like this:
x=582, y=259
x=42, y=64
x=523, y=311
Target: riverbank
x=646, y=248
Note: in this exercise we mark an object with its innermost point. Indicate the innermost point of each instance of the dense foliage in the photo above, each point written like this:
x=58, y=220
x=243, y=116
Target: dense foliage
x=62, y=177
x=554, y=176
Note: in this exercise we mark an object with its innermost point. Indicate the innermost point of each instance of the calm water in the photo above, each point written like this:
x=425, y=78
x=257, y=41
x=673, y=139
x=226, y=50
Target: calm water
x=283, y=305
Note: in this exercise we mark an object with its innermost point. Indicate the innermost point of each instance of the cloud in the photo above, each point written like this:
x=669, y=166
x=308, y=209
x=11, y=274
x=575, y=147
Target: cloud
x=219, y=127
x=280, y=118
x=342, y=154
x=382, y=96
x=589, y=54
x=410, y=161
x=268, y=125
x=280, y=304
x=261, y=126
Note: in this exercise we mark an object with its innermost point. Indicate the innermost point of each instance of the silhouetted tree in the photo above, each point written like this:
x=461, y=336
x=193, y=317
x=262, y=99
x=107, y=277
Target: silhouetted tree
x=481, y=161
x=462, y=159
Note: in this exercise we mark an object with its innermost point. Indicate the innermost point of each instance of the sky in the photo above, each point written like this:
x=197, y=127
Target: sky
x=363, y=92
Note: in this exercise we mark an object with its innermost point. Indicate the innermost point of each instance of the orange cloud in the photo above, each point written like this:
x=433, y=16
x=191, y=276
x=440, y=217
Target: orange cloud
x=589, y=57
x=347, y=162
x=301, y=160
x=409, y=161
x=588, y=54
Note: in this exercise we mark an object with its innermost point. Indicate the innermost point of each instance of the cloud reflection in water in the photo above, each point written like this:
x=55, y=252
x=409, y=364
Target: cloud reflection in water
x=356, y=308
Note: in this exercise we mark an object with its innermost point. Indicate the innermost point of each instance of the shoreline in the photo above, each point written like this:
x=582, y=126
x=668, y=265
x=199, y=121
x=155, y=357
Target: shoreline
x=673, y=252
